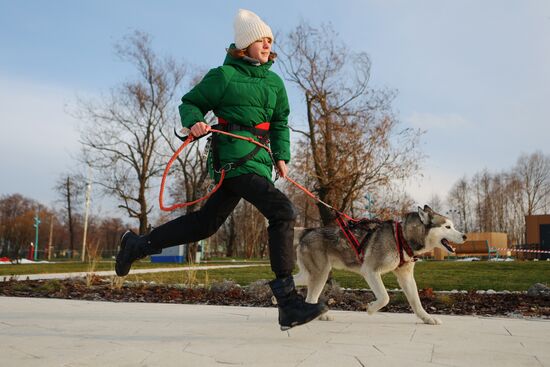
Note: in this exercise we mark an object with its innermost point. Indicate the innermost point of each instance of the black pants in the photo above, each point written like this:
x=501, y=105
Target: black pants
x=257, y=190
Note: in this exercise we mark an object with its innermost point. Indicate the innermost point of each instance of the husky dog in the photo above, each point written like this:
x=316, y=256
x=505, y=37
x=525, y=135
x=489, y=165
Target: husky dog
x=321, y=249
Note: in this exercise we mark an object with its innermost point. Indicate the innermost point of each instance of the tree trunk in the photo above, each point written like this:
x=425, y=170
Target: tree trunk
x=231, y=241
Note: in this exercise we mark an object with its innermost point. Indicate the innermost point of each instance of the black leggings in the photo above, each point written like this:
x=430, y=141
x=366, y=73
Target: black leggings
x=258, y=191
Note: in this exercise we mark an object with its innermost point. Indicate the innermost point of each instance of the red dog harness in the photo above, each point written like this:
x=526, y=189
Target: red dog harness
x=355, y=245
x=359, y=246
x=347, y=227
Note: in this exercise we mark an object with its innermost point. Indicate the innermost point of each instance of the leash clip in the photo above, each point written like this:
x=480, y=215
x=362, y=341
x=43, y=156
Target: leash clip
x=226, y=167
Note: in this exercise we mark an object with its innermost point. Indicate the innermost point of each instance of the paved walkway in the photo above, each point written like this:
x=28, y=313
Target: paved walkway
x=49, y=332
x=133, y=271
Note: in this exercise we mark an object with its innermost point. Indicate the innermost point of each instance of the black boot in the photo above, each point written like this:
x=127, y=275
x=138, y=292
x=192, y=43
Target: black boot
x=132, y=248
x=293, y=310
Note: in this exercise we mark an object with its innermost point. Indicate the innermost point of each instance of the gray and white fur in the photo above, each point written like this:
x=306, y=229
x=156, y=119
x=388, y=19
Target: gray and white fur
x=321, y=249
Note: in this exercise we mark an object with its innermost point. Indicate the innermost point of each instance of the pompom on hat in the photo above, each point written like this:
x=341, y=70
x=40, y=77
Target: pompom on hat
x=249, y=28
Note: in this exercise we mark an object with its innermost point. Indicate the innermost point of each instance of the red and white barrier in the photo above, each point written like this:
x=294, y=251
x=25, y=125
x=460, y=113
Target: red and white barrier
x=523, y=250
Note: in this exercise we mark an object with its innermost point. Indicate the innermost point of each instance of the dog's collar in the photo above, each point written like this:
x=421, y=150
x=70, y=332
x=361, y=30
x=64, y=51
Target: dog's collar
x=403, y=245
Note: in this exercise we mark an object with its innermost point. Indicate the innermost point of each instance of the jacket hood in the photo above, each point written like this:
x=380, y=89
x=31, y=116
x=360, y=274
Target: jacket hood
x=246, y=67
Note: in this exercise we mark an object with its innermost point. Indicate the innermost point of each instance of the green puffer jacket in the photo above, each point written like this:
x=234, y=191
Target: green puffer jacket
x=244, y=94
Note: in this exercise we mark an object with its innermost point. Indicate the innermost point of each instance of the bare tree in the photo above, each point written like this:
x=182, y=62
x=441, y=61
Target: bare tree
x=515, y=217
x=459, y=200
x=122, y=132
x=500, y=202
x=251, y=229
x=230, y=232
x=436, y=203
x=70, y=188
x=244, y=233
x=107, y=234
x=391, y=203
x=17, y=231
x=481, y=186
x=351, y=141
x=534, y=172
x=16, y=224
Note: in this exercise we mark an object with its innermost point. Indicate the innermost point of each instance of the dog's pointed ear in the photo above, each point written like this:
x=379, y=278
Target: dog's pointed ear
x=427, y=209
x=424, y=215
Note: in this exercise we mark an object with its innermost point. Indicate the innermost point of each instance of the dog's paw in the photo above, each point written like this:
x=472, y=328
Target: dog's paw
x=326, y=317
x=430, y=320
x=372, y=308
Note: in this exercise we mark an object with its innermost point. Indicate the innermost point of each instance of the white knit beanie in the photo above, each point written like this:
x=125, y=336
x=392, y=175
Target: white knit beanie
x=249, y=28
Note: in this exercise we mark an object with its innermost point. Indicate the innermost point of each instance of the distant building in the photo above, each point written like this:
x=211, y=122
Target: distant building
x=537, y=232
x=495, y=240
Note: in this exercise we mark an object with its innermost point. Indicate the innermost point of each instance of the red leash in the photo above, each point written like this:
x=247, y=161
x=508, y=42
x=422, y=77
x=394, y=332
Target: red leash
x=189, y=139
x=311, y=195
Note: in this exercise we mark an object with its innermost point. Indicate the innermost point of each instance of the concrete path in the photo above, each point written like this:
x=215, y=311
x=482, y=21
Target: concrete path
x=132, y=272
x=48, y=332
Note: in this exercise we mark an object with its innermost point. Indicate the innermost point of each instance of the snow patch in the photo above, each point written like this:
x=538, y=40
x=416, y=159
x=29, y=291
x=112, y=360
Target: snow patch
x=5, y=261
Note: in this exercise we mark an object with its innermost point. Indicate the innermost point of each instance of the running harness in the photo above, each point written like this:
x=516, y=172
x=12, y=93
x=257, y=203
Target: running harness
x=369, y=226
x=261, y=131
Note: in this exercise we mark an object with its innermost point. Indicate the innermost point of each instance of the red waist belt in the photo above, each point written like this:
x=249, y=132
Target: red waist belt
x=263, y=126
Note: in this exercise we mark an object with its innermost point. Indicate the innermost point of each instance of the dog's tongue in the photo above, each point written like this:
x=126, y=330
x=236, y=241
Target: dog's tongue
x=445, y=243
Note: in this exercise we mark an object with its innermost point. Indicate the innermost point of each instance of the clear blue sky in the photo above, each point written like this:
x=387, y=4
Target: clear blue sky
x=474, y=74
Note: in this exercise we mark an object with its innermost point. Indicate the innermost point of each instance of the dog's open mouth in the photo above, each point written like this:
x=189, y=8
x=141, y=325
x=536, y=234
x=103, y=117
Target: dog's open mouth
x=446, y=244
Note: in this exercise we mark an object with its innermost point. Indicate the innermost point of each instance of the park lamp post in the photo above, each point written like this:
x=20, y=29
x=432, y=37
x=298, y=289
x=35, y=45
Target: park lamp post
x=36, y=224
x=369, y=203
x=88, y=190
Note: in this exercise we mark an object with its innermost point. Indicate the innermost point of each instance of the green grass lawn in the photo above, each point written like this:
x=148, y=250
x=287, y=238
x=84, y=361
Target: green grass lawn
x=439, y=275
x=70, y=267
